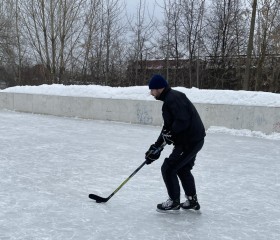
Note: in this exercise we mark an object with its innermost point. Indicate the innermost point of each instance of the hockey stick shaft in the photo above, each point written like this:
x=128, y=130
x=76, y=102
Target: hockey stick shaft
x=101, y=199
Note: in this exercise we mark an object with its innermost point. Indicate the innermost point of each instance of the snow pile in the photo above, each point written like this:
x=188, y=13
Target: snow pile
x=243, y=133
x=142, y=93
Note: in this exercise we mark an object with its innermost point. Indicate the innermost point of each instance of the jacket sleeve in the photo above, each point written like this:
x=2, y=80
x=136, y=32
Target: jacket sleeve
x=159, y=141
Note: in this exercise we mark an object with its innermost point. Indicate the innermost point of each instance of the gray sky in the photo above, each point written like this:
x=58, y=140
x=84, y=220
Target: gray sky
x=133, y=4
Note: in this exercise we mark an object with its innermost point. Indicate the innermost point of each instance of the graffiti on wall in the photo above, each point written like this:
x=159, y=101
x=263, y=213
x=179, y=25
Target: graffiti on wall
x=144, y=115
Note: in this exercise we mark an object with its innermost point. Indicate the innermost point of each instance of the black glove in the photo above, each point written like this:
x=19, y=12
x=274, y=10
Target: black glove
x=167, y=136
x=152, y=154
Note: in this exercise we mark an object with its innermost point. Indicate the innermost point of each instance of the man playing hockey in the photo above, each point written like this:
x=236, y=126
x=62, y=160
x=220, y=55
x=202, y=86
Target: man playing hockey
x=184, y=129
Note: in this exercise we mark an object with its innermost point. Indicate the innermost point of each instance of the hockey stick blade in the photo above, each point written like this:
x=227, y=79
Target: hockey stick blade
x=98, y=199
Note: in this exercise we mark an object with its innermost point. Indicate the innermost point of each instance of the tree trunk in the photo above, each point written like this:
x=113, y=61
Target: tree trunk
x=250, y=47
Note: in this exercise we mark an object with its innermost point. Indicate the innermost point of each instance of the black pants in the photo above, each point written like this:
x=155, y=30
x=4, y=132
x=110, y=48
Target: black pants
x=179, y=164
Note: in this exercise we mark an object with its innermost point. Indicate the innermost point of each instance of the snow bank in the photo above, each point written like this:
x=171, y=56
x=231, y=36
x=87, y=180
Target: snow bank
x=231, y=97
x=243, y=133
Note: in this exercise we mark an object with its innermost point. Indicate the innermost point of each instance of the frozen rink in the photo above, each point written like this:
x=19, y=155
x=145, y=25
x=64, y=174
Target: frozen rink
x=49, y=165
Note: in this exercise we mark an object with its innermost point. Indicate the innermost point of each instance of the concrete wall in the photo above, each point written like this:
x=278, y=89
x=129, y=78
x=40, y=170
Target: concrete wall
x=255, y=118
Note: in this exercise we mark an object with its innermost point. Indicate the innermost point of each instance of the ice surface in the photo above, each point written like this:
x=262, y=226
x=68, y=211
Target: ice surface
x=49, y=165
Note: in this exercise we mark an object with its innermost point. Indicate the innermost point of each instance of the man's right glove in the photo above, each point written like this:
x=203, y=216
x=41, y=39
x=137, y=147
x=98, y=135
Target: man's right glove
x=152, y=154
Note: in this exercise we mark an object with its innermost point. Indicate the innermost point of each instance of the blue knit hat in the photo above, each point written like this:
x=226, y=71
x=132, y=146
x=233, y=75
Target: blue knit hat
x=157, y=82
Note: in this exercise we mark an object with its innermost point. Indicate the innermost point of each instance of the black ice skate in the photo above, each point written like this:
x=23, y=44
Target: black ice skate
x=191, y=203
x=170, y=206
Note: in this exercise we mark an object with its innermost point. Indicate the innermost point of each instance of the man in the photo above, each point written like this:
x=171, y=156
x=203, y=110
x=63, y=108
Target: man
x=184, y=129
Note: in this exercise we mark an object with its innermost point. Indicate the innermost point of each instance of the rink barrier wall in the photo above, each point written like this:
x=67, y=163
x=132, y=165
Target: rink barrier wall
x=255, y=118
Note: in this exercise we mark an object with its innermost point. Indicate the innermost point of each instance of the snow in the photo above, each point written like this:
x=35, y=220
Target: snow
x=142, y=93
x=49, y=165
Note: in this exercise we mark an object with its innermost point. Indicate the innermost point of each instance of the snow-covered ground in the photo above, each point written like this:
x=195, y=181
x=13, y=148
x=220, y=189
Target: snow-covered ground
x=142, y=93
x=49, y=165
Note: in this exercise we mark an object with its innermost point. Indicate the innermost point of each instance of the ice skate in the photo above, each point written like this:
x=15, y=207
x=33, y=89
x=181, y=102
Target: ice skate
x=191, y=204
x=169, y=206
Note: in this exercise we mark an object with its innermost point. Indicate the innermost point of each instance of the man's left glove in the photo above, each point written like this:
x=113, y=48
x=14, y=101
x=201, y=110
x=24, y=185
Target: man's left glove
x=167, y=136
x=152, y=154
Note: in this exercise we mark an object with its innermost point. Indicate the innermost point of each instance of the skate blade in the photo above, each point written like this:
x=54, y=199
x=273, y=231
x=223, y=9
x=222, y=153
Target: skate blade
x=192, y=211
x=168, y=211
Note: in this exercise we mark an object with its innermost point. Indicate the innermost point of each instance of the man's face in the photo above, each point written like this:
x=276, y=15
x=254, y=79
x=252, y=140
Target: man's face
x=156, y=92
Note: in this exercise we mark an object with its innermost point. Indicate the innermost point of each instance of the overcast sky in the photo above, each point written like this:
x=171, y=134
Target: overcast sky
x=132, y=6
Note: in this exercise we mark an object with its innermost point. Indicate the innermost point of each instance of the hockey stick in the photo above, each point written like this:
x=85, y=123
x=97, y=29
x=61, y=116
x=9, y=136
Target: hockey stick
x=99, y=199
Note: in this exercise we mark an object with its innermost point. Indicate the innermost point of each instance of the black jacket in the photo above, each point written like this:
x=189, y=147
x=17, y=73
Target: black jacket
x=181, y=118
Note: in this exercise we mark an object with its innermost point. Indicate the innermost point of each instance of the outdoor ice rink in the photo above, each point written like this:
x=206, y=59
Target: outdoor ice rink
x=49, y=165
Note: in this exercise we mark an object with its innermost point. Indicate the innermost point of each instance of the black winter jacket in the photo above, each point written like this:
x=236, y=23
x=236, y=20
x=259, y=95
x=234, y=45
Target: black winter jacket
x=181, y=118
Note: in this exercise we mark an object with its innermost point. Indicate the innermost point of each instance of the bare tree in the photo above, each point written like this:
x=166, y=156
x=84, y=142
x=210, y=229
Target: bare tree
x=274, y=48
x=6, y=31
x=19, y=43
x=224, y=25
x=113, y=31
x=8, y=59
x=53, y=28
x=92, y=26
x=192, y=17
x=267, y=16
x=250, y=46
x=103, y=40
x=142, y=31
x=169, y=42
